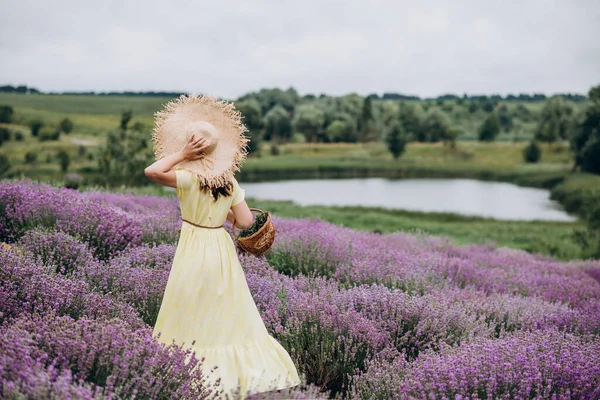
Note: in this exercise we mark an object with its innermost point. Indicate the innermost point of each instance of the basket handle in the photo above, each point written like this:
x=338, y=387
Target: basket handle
x=233, y=224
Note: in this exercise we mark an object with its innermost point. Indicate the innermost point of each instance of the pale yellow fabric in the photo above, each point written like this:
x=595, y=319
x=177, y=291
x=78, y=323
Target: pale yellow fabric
x=207, y=300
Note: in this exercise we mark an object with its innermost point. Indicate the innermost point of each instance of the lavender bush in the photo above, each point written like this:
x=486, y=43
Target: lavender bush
x=57, y=250
x=540, y=364
x=108, y=355
x=362, y=315
x=30, y=289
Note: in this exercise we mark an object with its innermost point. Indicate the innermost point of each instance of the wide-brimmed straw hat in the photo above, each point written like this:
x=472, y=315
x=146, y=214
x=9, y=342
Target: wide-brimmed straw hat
x=218, y=121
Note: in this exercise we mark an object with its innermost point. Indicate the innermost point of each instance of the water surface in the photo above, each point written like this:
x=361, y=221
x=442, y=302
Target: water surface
x=463, y=196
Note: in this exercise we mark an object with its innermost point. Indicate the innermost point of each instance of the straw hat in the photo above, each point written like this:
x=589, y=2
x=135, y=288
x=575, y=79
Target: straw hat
x=217, y=121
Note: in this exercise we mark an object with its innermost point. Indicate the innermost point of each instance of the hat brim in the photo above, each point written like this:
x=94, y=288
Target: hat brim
x=170, y=136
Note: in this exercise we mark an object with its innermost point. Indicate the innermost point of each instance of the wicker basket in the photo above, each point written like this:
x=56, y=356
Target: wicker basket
x=260, y=241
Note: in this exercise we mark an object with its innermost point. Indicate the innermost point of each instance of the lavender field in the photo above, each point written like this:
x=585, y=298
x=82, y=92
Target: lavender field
x=363, y=315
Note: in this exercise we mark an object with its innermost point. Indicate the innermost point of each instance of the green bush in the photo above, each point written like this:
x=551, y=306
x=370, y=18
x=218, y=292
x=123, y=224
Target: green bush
x=579, y=193
x=298, y=138
x=275, y=151
x=35, y=126
x=66, y=126
x=4, y=164
x=30, y=157
x=532, y=153
x=490, y=128
x=590, y=156
x=4, y=135
x=6, y=114
x=48, y=133
x=19, y=136
x=64, y=159
x=396, y=140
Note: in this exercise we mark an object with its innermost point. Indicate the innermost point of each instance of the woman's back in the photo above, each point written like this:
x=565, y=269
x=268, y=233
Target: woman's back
x=198, y=206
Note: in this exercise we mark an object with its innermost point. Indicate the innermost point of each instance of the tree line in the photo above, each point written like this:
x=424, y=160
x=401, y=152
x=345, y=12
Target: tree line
x=521, y=97
x=22, y=89
x=282, y=116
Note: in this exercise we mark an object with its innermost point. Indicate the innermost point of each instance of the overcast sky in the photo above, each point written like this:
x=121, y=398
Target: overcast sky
x=228, y=48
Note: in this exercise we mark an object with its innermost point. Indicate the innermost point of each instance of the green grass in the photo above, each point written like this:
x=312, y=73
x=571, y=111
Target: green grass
x=550, y=238
x=90, y=105
x=580, y=193
x=487, y=161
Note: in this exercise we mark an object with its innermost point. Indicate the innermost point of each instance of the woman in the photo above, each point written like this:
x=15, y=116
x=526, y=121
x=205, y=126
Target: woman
x=207, y=304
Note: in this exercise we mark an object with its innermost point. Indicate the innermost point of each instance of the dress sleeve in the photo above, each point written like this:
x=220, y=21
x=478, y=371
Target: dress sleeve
x=238, y=193
x=184, y=181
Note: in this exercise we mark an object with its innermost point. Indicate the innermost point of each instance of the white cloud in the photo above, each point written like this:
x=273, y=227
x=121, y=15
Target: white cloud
x=318, y=46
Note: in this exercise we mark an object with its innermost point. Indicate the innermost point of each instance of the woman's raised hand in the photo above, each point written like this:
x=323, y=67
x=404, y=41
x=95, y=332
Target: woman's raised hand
x=194, y=148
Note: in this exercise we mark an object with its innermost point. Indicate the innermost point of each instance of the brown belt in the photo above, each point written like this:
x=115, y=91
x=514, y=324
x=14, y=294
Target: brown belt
x=202, y=226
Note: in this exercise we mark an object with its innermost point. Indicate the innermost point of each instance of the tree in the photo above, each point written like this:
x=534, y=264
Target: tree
x=6, y=114
x=30, y=157
x=556, y=121
x=309, y=120
x=252, y=118
x=64, y=159
x=490, y=128
x=451, y=136
x=348, y=134
x=435, y=127
x=584, y=141
x=35, y=126
x=139, y=127
x=278, y=125
x=504, y=118
x=4, y=135
x=65, y=126
x=532, y=153
x=342, y=131
x=488, y=106
x=366, y=128
x=411, y=118
x=473, y=107
x=396, y=140
x=124, y=157
x=251, y=114
x=269, y=98
x=590, y=156
x=126, y=118
x=4, y=164
x=48, y=133
x=387, y=113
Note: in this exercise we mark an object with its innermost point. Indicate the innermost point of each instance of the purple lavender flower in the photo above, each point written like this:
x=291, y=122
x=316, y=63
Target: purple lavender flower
x=108, y=355
x=528, y=364
x=30, y=289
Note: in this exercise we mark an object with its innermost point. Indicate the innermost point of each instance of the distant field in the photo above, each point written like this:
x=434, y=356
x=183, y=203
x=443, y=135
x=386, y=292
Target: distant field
x=94, y=116
x=91, y=115
x=94, y=105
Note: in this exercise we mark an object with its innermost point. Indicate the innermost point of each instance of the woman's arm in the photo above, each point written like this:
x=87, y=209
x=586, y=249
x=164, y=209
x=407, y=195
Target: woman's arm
x=160, y=171
x=231, y=218
x=241, y=214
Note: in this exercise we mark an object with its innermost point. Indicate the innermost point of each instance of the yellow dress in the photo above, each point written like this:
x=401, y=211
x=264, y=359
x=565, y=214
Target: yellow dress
x=207, y=300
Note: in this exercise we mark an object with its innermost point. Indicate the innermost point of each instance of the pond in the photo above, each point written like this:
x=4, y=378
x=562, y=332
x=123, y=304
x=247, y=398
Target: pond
x=463, y=196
